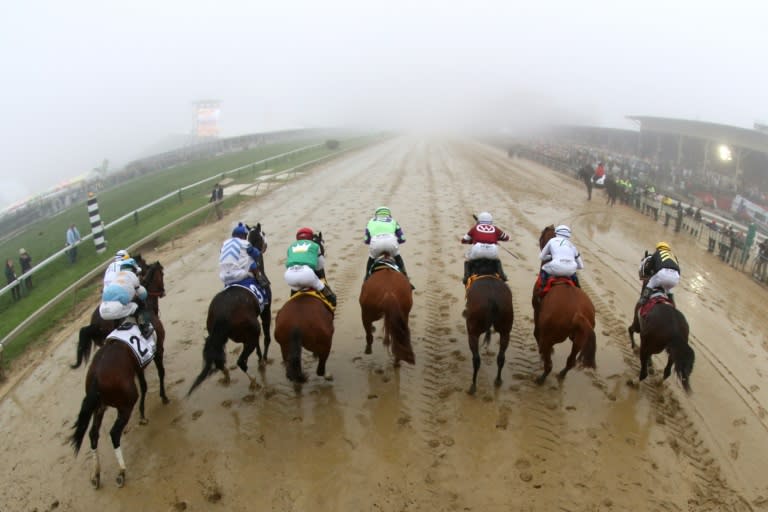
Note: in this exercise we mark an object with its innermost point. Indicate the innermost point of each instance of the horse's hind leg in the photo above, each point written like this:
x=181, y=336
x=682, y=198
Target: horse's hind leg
x=242, y=361
x=266, y=321
x=161, y=372
x=123, y=415
x=668, y=368
x=368, y=320
x=94, y=436
x=501, y=357
x=545, y=350
x=571, y=361
x=474, y=342
x=321, y=365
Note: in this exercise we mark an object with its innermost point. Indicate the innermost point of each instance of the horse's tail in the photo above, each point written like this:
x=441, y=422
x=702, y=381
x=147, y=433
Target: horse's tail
x=85, y=338
x=493, y=307
x=293, y=366
x=213, y=351
x=396, y=324
x=589, y=350
x=90, y=404
x=684, y=358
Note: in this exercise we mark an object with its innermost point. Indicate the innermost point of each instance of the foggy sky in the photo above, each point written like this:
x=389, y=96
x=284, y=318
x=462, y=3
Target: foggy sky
x=83, y=81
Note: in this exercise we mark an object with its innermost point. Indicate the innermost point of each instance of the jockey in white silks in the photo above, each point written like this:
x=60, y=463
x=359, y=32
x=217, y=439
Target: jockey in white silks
x=124, y=297
x=561, y=257
x=114, y=267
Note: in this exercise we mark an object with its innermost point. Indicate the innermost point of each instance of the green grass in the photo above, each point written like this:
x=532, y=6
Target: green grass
x=60, y=274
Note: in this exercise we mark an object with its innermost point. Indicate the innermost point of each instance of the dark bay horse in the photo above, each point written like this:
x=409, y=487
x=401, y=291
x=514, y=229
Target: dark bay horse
x=234, y=313
x=305, y=322
x=489, y=306
x=663, y=327
x=387, y=294
x=110, y=382
x=564, y=312
x=585, y=174
x=96, y=333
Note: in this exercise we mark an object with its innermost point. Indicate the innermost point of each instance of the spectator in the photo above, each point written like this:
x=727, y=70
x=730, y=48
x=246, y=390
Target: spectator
x=25, y=260
x=217, y=196
x=10, y=276
x=73, y=238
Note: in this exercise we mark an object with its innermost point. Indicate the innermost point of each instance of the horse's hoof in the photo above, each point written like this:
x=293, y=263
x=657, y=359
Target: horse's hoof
x=497, y=382
x=472, y=389
x=368, y=350
x=95, y=482
x=540, y=380
x=143, y=421
x=120, y=480
x=328, y=377
x=165, y=400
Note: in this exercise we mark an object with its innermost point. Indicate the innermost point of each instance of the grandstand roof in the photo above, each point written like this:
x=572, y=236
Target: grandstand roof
x=720, y=133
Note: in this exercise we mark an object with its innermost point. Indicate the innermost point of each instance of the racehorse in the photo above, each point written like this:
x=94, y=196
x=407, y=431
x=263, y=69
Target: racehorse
x=564, y=312
x=110, y=382
x=489, y=305
x=662, y=327
x=305, y=321
x=611, y=190
x=258, y=239
x=387, y=293
x=234, y=313
x=585, y=174
x=153, y=279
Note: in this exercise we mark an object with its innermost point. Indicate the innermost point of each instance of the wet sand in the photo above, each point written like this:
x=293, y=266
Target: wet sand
x=380, y=438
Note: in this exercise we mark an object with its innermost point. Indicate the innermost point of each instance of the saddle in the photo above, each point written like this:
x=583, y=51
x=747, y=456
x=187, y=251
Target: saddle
x=657, y=297
x=477, y=277
x=382, y=263
x=552, y=281
x=313, y=293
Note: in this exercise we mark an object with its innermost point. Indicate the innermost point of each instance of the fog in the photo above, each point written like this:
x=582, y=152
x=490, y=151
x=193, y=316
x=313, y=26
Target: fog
x=84, y=81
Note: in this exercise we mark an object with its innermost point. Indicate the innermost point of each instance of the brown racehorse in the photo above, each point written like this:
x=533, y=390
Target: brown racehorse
x=489, y=306
x=110, y=382
x=387, y=294
x=304, y=322
x=663, y=327
x=564, y=312
x=153, y=279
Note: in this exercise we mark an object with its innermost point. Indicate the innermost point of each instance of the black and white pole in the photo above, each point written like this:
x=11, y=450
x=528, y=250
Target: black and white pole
x=97, y=227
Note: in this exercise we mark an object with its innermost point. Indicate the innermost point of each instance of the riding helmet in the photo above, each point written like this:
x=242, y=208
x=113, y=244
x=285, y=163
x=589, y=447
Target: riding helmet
x=563, y=231
x=304, y=234
x=662, y=246
x=383, y=211
x=485, y=218
x=240, y=230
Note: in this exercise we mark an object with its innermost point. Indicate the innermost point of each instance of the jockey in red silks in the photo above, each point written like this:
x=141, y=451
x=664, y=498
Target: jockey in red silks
x=484, y=237
x=599, y=171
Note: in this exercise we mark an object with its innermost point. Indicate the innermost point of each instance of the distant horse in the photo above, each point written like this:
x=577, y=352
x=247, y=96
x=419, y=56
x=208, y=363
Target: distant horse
x=611, y=190
x=662, y=327
x=489, y=305
x=387, y=294
x=585, y=174
x=234, y=314
x=305, y=321
x=153, y=280
x=564, y=312
x=110, y=382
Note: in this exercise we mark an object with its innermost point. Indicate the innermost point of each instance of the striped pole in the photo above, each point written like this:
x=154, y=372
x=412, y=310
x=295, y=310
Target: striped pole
x=97, y=227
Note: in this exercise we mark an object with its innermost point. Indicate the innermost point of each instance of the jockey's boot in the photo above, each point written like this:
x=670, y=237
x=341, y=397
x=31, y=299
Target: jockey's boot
x=368, y=268
x=144, y=322
x=500, y=270
x=671, y=297
x=644, y=295
x=466, y=273
x=401, y=264
x=328, y=294
x=262, y=280
x=575, y=280
x=293, y=292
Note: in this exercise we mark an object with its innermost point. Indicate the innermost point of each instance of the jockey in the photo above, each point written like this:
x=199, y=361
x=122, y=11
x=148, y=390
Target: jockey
x=484, y=237
x=561, y=257
x=664, y=270
x=114, y=267
x=599, y=171
x=383, y=234
x=125, y=296
x=305, y=265
x=238, y=259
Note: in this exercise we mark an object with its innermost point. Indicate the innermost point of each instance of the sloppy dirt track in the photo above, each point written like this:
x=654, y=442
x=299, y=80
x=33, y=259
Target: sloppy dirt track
x=376, y=438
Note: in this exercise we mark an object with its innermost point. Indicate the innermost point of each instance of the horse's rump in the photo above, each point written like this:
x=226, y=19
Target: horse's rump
x=387, y=293
x=306, y=316
x=489, y=304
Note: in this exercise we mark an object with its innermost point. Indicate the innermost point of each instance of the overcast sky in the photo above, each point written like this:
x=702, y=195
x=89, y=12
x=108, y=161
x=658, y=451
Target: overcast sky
x=83, y=81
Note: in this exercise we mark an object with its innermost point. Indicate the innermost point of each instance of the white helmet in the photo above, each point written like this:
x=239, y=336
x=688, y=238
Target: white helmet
x=485, y=218
x=563, y=231
x=122, y=254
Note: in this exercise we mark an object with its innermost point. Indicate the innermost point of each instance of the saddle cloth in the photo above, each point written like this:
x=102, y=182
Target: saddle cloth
x=552, y=281
x=144, y=349
x=477, y=277
x=655, y=298
x=252, y=286
x=315, y=294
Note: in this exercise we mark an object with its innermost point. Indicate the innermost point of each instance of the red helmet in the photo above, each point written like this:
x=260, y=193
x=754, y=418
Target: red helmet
x=305, y=234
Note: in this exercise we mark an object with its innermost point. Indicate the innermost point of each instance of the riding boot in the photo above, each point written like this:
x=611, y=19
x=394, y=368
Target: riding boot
x=575, y=280
x=466, y=273
x=671, y=297
x=401, y=264
x=328, y=294
x=143, y=320
x=262, y=280
x=293, y=292
x=500, y=270
x=368, y=268
x=646, y=293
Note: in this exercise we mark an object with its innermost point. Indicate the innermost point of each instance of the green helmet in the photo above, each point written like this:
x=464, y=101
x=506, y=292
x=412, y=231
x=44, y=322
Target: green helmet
x=383, y=211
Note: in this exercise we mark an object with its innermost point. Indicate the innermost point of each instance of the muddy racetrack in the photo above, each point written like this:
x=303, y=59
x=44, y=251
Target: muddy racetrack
x=377, y=438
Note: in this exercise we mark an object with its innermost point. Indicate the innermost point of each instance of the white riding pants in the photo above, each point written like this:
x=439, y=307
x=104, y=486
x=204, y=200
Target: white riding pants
x=483, y=251
x=301, y=276
x=666, y=278
x=380, y=244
